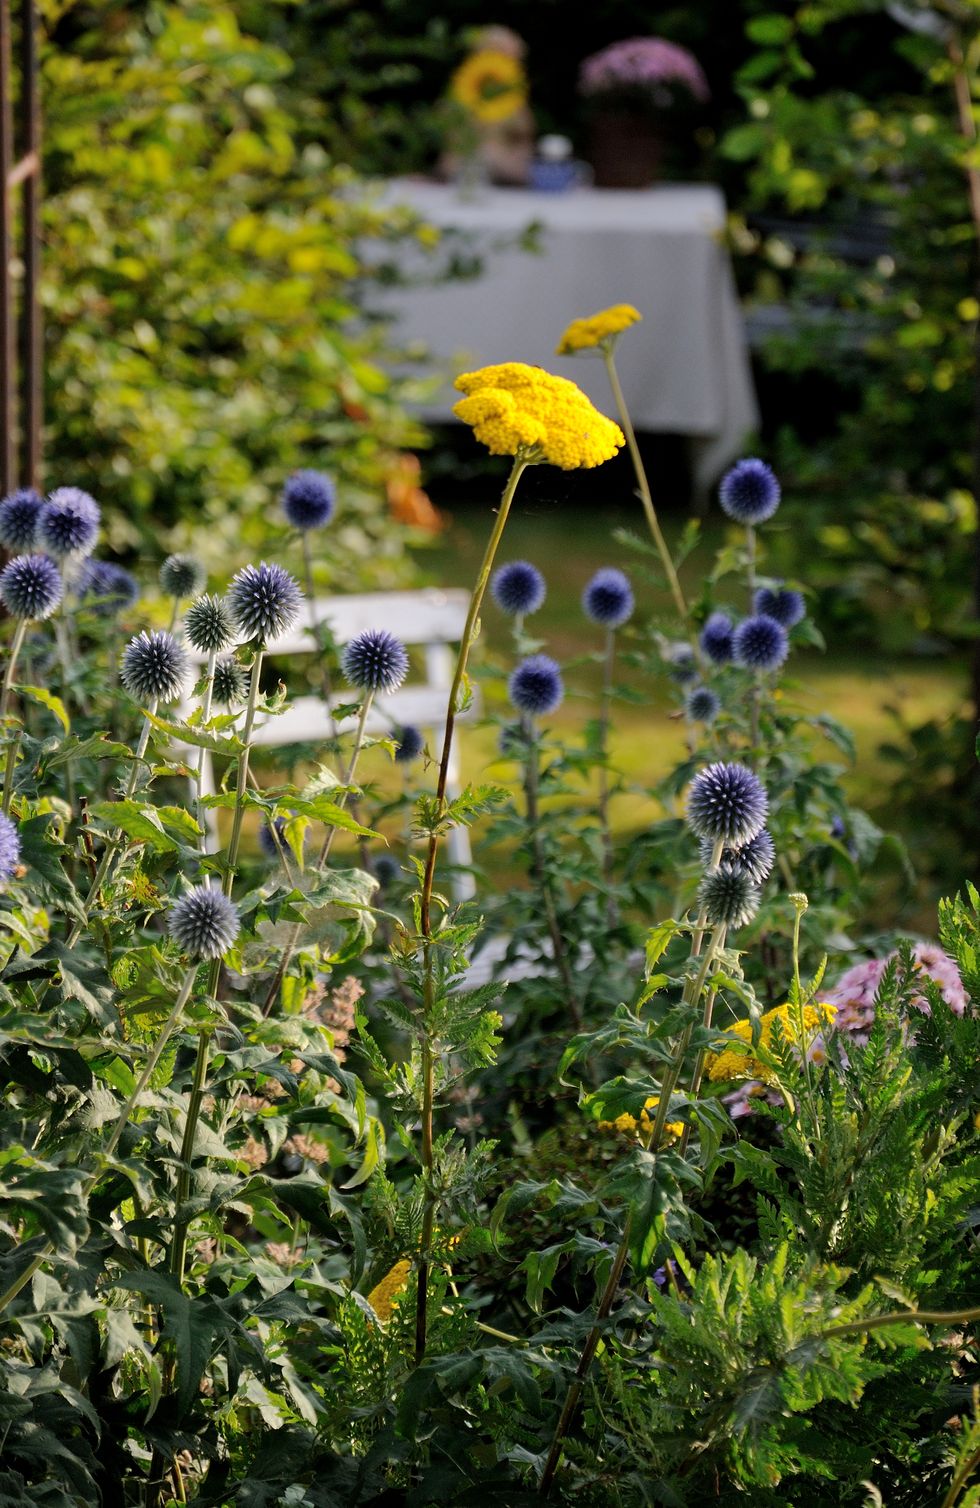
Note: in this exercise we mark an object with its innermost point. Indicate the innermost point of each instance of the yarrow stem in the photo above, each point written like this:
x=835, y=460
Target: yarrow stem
x=522, y=460
x=90, y=1183
x=646, y=497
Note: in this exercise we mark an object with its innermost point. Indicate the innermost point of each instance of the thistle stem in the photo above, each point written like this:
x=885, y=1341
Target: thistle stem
x=202, y=752
x=539, y=873
x=289, y=947
x=8, y=676
x=646, y=497
x=316, y=629
x=241, y=783
x=605, y=719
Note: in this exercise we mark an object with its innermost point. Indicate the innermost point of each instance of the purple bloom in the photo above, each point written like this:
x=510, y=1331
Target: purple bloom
x=154, y=667
x=204, y=923
x=264, y=601
x=19, y=514
x=30, y=587
x=9, y=847
x=783, y=604
x=716, y=638
x=760, y=643
x=642, y=63
x=111, y=587
x=375, y=661
x=701, y=704
x=750, y=492
x=68, y=523
x=308, y=499
x=518, y=588
x=536, y=686
x=608, y=598
x=729, y=802
x=409, y=744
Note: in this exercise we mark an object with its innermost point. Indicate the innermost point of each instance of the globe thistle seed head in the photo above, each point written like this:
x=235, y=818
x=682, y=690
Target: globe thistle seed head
x=701, y=704
x=756, y=857
x=535, y=686
x=518, y=588
x=19, y=514
x=154, y=667
x=760, y=643
x=230, y=683
x=681, y=660
x=308, y=499
x=728, y=897
x=716, y=638
x=68, y=523
x=30, y=586
x=409, y=744
x=208, y=625
x=9, y=847
x=204, y=922
x=727, y=801
x=750, y=492
x=271, y=844
x=110, y=588
x=608, y=598
x=375, y=661
x=264, y=601
x=386, y=870
x=781, y=603
x=182, y=576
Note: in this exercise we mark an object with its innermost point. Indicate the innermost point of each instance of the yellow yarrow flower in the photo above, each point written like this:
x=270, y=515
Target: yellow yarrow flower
x=383, y=1297
x=513, y=407
x=585, y=334
x=733, y=1063
x=489, y=84
x=628, y=1124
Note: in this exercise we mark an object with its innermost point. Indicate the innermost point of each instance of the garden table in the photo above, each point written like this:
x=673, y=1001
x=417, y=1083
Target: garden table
x=546, y=258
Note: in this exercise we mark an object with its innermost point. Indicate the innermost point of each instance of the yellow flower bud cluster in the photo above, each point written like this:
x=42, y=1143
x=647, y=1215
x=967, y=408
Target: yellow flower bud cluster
x=586, y=334
x=384, y=1295
x=781, y=1022
x=628, y=1124
x=512, y=407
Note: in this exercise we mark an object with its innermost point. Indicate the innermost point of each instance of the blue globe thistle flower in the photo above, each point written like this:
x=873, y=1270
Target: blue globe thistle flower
x=608, y=598
x=230, y=683
x=409, y=744
x=30, y=586
x=182, y=576
x=760, y=643
x=375, y=661
x=267, y=839
x=111, y=586
x=728, y=897
x=204, y=922
x=19, y=514
x=750, y=493
x=154, y=667
x=536, y=686
x=264, y=601
x=727, y=801
x=518, y=588
x=702, y=705
x=68, y=523
x=9, y=847
x=681, y=659
x=208, y=625
x=716, y=638
x=756, y=857
x=308, y=499
x=386, y=870
x=783, y=604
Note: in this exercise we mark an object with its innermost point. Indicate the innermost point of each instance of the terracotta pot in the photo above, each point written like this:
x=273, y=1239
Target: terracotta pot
x=626, y=149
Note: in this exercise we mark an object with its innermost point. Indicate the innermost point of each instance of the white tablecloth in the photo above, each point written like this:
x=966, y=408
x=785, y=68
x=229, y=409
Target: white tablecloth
x=685, y=369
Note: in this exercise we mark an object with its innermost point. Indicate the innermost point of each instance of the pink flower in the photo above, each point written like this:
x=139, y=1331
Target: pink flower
x=642, y=63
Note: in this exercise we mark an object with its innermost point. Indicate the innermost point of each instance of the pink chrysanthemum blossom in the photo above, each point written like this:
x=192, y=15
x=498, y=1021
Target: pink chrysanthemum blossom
x=648, y=64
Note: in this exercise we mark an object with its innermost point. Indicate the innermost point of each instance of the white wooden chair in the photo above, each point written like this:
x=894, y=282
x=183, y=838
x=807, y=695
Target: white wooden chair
x=429, y=620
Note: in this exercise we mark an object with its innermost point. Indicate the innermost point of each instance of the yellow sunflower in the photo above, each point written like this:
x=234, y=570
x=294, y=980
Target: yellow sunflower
x=489, y=85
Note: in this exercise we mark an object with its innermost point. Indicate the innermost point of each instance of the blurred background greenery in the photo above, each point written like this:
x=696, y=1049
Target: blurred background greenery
x=212, y=245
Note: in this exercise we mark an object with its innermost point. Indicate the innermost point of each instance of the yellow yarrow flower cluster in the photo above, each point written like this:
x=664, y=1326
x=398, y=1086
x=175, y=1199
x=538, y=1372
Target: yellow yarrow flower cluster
x=628, y=1124
x=512, y=407
x=585, y=334
x=490, y=85
x=384, y=1295
x=733, y=1063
